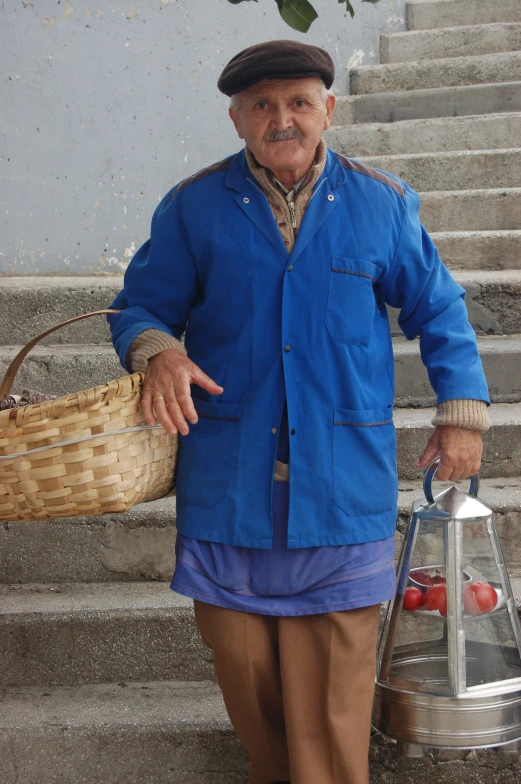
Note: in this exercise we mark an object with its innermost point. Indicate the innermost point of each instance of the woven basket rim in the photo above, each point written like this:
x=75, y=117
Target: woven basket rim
x=114, y=473
x=96, y=394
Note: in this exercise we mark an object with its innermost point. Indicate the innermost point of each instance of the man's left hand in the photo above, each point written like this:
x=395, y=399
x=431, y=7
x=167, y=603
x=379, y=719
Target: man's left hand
x=460, y=451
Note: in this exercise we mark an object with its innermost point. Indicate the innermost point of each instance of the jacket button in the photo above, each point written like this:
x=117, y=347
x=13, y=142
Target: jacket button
x=246, y=200
x=273, y=430
x=290, y=268
x=287, y=348
x=331, y=197
x=292, y=431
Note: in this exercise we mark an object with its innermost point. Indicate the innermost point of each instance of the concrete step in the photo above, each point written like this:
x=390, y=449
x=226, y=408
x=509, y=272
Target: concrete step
x=73, y=365
x=428, y=14
x=502, y=452
x=461, y=170
x=472, y=210
x=492, y=296
x=140, y=545
x=56, y=373
x=430, y=74
x=165, y=732
x=68, y=634
x=475, y=132
x=143, y=631
x=155, y=732
x=62, y=369
x=388, y=107
x=492, y=300
x=501, y=357
x=479, y=250
x=135, y=546
x=30, y=305
x=414, y=46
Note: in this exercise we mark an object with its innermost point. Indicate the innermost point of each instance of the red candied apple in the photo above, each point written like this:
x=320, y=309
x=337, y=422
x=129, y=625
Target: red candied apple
x=413, y=599
x=436, y=599
x=479, y=598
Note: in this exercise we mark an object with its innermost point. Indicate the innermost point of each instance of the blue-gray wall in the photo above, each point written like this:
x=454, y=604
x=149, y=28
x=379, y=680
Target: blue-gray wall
x=105, y=105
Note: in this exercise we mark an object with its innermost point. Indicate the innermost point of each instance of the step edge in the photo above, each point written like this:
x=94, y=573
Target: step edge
x=50, y=603
x=445, y=154
x=483, y=25
x=462, y=59
x=428, y=92
x=499, y=233
x=458, y=120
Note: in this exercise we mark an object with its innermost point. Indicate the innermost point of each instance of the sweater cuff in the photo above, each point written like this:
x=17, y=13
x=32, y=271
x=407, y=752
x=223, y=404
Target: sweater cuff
x=469, y=414
x=147, y=345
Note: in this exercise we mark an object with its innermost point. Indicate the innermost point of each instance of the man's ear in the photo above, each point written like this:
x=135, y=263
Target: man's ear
x=233, y=117
x=330, y=107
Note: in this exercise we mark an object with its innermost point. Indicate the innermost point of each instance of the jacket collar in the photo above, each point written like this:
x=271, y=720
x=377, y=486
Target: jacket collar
x=252, y=201
x=238, y=172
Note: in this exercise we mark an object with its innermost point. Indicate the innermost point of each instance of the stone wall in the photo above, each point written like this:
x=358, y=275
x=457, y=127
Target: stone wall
x=105, y=105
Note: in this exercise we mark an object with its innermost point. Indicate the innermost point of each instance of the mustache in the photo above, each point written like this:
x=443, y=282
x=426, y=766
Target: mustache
x=277, y=136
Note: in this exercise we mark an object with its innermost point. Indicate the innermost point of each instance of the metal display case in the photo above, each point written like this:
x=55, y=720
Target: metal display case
x=449, y=657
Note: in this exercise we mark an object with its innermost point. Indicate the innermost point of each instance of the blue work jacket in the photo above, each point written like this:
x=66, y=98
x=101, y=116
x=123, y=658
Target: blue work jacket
x=311, y=327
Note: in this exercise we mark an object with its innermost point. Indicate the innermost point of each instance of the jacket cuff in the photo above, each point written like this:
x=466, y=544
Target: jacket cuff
x=469, y=414
x=147, y=345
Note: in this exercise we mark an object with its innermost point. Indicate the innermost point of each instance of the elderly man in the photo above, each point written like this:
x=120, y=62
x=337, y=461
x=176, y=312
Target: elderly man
x=278, y=262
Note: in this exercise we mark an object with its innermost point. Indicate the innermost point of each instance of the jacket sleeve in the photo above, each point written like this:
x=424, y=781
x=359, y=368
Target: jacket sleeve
x=160, y=284
x=432, y=307
x=147, y=345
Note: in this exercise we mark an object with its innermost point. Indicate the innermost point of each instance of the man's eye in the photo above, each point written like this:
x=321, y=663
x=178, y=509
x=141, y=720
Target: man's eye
x=300, y=102
x=261, y=105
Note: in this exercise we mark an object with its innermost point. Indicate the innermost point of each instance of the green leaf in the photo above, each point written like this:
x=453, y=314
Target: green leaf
x=298, y=14
x=236, y=2
x=349, y=7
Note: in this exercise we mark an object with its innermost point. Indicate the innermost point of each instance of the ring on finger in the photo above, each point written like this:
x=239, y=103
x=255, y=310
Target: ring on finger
x=157, y=398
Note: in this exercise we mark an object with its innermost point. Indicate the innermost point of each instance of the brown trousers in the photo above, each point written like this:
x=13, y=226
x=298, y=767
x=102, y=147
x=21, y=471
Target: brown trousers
x=298, y=690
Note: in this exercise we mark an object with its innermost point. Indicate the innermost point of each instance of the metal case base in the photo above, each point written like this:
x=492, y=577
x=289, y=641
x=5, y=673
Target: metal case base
x=406, y=709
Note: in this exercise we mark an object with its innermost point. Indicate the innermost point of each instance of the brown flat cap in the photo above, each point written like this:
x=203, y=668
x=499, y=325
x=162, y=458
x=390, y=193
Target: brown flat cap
x=275, y=60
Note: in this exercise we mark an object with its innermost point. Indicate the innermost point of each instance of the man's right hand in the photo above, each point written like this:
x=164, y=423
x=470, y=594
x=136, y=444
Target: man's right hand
x=166, y=391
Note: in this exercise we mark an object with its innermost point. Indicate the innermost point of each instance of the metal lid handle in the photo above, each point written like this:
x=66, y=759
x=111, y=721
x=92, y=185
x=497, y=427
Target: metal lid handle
x=430, y=473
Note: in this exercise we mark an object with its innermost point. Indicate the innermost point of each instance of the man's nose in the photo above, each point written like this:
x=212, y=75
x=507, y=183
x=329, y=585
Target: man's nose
x=281, y=118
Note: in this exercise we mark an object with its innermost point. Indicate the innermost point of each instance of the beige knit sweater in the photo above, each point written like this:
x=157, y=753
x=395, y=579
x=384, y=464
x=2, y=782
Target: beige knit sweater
x=470, y=414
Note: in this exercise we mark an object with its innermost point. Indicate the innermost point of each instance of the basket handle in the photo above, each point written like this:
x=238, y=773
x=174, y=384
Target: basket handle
x=12, y=370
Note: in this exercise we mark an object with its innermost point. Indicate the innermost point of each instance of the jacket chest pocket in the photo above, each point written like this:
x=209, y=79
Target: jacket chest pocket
x=351, y=301
x=364, y=461
x=207, y=458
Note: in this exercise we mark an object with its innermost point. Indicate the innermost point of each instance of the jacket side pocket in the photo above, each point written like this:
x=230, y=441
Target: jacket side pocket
x=207, y=457
x=364, y=461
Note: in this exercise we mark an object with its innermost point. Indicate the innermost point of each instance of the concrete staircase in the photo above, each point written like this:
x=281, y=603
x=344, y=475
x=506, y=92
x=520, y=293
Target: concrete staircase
x=103, y=676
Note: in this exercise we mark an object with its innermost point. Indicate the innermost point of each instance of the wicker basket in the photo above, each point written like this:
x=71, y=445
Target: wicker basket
x=87, y=453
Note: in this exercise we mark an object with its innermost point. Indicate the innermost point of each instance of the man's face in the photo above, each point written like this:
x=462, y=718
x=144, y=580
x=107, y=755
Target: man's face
x=282, y=120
